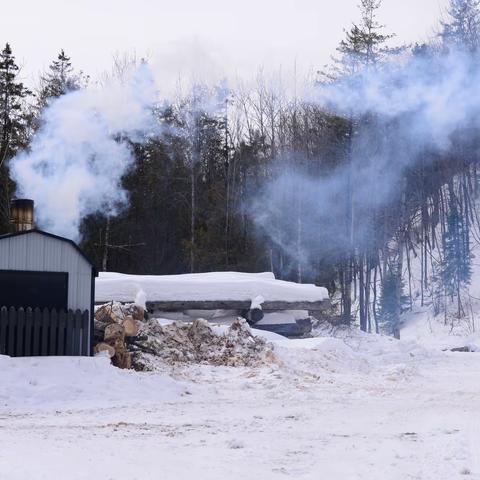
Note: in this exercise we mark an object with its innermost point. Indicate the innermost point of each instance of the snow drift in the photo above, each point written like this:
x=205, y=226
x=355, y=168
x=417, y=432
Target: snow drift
x=45, y=383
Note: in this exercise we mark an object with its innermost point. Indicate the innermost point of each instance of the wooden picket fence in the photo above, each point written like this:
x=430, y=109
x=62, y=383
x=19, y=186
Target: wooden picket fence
x=28, y=332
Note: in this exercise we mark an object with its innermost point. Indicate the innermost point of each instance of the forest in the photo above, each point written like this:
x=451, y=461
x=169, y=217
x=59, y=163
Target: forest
x=343, y=181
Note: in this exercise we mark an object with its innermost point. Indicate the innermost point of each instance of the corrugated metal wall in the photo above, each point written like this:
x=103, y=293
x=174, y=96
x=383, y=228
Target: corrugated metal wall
x=37, y=252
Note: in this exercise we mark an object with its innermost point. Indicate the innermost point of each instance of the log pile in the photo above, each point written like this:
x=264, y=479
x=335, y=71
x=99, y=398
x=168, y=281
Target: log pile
x=114, y=325
x=131, y=341
x=198, y=343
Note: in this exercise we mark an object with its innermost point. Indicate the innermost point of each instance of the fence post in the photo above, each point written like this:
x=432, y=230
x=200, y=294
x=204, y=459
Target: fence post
x=3, y=330
x=69, y=330
x=85, y=339
x=28, y=331
x=19, y=349
x=52, y=350
x=45, y=332
x=77, y=335
x=62, y=318
x=12, y=327
x=37, y=326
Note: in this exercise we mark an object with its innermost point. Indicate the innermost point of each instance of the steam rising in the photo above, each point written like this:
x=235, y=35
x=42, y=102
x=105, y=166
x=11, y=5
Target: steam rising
x=415, y=107
x=78, y=157
x=433, y=95
x=403, y=113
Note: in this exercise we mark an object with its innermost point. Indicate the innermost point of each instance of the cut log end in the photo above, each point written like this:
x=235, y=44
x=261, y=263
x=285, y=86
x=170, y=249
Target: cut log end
x=113, y=324
x=104, y=348
x=253, y=315
x=114, y=331
x=130, y=326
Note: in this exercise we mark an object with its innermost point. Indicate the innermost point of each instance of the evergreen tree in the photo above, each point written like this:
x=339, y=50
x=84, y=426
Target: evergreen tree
x=392, y=301
x=456, y=266
x=12, y=125
x=365, y=44
x=59, y=80
x=462, y=29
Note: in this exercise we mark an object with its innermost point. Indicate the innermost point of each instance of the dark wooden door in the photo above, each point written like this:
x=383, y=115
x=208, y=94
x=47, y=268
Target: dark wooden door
x=33, y=289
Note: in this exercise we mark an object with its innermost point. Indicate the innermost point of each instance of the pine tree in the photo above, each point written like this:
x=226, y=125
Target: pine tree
x=365, y=44
x=462, y=29
x=392, y=301
x=59, y=80
x=456, y=270
x=12, y=125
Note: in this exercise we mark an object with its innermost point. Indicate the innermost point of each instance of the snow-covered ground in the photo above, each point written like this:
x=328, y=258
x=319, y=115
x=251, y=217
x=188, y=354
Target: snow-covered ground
x=353, y=407
x=423, y=327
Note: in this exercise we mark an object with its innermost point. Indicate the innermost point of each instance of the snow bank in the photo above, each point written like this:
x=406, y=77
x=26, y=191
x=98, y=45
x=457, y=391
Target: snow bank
x=78, y=382
x=204, y=286
x=337, y=354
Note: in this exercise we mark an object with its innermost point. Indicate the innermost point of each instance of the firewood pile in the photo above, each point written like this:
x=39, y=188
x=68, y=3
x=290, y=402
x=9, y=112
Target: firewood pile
x=114, y=325
x=132, y=341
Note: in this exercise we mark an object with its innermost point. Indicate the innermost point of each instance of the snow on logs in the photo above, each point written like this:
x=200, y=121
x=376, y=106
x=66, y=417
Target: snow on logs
x=212, y=291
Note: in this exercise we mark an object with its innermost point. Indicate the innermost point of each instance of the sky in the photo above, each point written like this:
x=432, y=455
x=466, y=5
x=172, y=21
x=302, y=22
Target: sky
x=202, y=38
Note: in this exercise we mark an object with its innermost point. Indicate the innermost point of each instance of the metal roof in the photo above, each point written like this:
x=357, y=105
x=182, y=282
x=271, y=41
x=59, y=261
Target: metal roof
x=51, y=235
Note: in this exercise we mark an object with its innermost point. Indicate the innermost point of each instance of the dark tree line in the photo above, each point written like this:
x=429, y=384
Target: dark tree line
x=192, y=190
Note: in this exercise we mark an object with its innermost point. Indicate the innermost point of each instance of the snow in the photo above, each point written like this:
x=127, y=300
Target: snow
x=141, y=299
x=257, y=302
x=422, y=327
x=204, y=286
x=444, y=331
x=221, y=329
x=38, y=383
x=356, y=406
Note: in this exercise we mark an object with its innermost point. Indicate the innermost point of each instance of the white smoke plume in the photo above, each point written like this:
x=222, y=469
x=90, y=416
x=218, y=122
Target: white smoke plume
x=410, y=110
x=77, y=158
x=433, y=95
x=76, y=161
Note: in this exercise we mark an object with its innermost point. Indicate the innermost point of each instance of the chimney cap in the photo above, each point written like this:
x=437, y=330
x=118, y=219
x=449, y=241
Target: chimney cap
x=22, y=202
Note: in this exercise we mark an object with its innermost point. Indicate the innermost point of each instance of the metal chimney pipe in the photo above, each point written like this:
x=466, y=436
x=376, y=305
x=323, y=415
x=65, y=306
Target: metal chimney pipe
x=21, y=214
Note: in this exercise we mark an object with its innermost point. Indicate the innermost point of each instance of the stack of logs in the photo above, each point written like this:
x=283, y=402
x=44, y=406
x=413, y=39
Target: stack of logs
x=114, y=323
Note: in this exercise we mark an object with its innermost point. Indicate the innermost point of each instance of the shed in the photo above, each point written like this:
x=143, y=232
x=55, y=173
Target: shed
x=46, y=284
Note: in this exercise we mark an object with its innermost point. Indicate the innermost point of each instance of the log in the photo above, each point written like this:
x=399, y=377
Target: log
x=112, y=325
x=462, y=349
x=235, y=305
x=114, y=331
x=289, y=330
x=122, y=358
x=130, y=326
x=117, y=343
x=137, y=313
x=104, y=347
x=99, y=330
x=106, y=313
x=253, y=315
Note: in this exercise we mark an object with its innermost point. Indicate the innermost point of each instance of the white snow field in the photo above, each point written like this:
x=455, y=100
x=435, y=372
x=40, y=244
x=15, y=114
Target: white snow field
x=203, y=286
x=355, y=407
